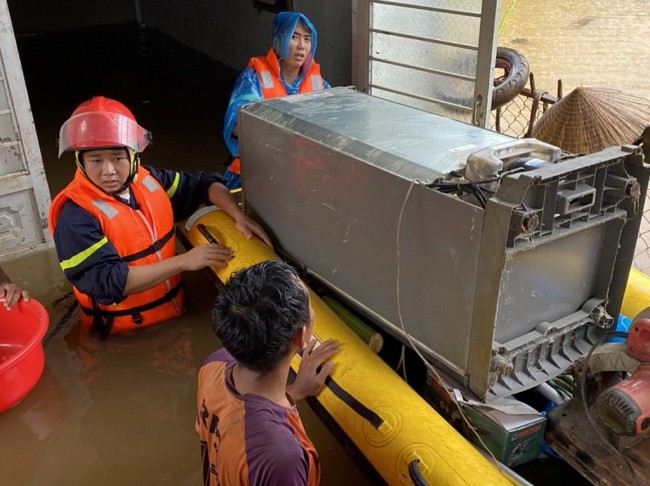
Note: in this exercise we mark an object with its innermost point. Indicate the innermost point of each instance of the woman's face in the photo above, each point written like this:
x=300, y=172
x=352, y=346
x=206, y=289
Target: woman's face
x=299, y=47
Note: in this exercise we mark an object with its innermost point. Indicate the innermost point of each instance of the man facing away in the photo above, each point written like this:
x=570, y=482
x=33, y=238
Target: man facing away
x=250, y=430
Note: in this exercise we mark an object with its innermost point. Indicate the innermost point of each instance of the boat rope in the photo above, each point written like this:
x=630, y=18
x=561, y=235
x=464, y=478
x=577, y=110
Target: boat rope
x=408, y=336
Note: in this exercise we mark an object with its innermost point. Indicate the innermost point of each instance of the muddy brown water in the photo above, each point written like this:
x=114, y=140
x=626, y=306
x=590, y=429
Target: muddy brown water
x=596, y=43
x=122, y=411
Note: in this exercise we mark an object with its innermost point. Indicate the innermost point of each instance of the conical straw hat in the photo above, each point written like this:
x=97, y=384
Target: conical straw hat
x=590, y=119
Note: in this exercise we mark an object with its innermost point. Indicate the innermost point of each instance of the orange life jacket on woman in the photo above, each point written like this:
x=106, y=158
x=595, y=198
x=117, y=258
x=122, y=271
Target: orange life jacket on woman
x=141, y=237
x=267, y=70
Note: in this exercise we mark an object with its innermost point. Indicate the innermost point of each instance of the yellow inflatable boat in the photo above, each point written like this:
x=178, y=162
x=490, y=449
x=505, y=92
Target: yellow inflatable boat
x=637, y=294
x=390, y=424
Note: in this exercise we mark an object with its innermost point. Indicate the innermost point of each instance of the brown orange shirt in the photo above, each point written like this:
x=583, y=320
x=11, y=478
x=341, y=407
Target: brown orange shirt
x=248, y=439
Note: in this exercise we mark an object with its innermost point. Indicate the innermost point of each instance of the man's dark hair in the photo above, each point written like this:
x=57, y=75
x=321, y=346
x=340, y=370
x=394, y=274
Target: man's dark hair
x=258, y=312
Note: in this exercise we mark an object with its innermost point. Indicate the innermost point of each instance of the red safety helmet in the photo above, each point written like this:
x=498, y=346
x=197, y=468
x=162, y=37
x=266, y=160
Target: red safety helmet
x=102, y=123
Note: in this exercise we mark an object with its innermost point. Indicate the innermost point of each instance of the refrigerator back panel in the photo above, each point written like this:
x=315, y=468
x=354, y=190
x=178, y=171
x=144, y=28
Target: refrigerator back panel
x=503, y=283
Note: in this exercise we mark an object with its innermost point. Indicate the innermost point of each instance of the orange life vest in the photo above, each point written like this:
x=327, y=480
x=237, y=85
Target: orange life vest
x=140, y=237
x=267, y=70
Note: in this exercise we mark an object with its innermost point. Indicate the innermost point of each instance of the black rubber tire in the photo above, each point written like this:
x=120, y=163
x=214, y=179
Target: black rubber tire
x=514, y=79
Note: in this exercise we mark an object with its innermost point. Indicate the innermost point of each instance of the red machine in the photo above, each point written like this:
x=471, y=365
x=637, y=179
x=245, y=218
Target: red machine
x=625, y=407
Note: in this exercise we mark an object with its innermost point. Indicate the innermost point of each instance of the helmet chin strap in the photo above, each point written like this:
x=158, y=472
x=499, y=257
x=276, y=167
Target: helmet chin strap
x=134, y=159
x=80, y=166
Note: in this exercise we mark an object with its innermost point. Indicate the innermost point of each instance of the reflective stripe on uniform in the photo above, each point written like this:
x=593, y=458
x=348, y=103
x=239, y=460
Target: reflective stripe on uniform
x=150, y=184
x=316, y=82
x=82, y=255
x=267, y=79
x=105, y=208
x=172, y=190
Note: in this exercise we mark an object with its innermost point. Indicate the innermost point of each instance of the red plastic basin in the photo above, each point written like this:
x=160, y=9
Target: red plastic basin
x=21, y=350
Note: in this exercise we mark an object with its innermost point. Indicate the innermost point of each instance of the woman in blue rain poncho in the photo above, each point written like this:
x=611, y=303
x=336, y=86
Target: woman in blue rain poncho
x=288, y=68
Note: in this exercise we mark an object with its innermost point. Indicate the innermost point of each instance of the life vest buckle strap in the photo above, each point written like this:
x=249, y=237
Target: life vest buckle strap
x=103, y=318
x=156, y=246
x=101, y=325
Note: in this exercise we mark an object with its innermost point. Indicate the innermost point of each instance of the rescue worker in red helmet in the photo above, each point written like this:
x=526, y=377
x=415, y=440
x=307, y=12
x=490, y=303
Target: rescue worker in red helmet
x=113, y=225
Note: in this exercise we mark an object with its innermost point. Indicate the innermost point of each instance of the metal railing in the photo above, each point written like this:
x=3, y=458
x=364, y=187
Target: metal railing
x=517, y=118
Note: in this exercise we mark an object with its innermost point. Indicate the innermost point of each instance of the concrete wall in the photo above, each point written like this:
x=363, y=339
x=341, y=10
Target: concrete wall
x=233, y=31
x=30, y=16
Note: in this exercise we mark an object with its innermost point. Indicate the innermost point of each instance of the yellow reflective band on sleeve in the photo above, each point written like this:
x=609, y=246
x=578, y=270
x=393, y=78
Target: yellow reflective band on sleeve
x=82, y=255
x=172, y=190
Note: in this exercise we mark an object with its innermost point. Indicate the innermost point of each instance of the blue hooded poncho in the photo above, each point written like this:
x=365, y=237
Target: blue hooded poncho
x=248, y=88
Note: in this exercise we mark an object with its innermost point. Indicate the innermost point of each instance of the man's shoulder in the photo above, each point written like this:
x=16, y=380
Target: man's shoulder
x=247, y=78
x=76, y=230
x=71, y=212
x=158, y=173
x=213, y=368
x=220, y=355
x=272, y=426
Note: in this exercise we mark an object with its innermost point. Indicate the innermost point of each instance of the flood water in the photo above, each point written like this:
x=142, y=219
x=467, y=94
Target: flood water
x=121, y=412
x=596, y=43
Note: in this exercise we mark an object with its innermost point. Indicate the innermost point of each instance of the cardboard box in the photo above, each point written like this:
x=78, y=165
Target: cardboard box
x=511, y=430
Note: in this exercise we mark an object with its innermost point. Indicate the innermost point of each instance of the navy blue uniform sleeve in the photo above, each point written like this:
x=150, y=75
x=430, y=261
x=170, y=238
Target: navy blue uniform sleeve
x=89, y=261
x=188, y=190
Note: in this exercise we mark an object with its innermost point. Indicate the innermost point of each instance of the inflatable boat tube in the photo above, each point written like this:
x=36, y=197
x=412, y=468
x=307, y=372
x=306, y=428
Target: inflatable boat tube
x=515, y=76
x=637, y=294
x=389, y=423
